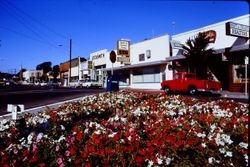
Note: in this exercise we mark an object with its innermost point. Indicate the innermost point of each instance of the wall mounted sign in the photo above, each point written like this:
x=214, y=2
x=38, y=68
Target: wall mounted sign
x=176, y=44
x=123, y=47
x=98, y=56
x=210, y=35
x=112, y=56
x=237, y=30
x=123, y=51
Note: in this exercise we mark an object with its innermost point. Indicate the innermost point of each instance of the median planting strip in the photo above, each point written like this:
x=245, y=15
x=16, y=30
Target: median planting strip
x=129, y=129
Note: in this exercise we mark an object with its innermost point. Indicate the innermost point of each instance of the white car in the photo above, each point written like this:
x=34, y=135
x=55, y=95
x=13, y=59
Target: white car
x=76, y=84
x=91, y=83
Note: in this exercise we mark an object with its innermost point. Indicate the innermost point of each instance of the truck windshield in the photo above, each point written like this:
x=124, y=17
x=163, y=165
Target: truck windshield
x=177, y=76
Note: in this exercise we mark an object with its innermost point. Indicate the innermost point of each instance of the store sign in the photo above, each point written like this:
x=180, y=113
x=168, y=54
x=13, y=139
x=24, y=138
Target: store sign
x=176, y=44
x=112, y=56
x=237, y=30
x=123, y=59
x=90, y=64
x=210, y=35
x=99, y=56
x=123, y=47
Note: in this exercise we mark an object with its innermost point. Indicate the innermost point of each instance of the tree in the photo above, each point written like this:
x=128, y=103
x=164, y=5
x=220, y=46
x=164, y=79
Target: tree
x=56, y=71
x=20, y=73
x=196, y=54
x=46, y=67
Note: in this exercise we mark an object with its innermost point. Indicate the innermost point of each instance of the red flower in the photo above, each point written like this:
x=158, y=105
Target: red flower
x=79, y=135
x=181, y=135
x=72, y=151
x=139, y=159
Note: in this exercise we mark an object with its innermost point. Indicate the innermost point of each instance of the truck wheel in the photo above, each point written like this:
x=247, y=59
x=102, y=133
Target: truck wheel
x=192, y=90
x=167, y=90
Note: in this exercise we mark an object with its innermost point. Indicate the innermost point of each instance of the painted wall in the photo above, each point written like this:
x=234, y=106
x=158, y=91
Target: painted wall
x=154, y=49
x=222, y=40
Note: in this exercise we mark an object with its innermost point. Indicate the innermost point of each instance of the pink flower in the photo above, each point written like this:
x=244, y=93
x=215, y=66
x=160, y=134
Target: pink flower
x=67, y=153
x=59, y=161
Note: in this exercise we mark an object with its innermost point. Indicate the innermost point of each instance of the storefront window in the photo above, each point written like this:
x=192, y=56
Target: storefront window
x=147, y=75
x=239, y=74
x=141, y=57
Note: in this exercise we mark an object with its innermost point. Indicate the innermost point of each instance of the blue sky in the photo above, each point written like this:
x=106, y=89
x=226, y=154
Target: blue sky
x=35, y=31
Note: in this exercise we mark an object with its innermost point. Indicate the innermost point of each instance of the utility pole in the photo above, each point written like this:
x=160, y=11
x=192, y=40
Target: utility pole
x=70, y=57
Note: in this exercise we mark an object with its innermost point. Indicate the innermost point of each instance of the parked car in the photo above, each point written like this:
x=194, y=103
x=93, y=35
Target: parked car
x=187, y=82
x=53, y=83
x=76, y=84
x=91, y=83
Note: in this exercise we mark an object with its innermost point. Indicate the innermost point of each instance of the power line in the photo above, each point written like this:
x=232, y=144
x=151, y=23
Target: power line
x=25, y=24
x=17, y=14
x=35, y=20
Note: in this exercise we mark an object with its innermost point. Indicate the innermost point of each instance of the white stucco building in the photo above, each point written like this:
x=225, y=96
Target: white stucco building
x=146, y=69
x=32, y=76
x=230, y=40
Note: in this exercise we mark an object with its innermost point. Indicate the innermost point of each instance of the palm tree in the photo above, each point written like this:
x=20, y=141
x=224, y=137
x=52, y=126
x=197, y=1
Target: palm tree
x=196, y=54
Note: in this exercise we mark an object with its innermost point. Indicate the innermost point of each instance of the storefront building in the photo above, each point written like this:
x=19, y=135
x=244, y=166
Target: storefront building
x=146, y=66
x=230, y=42
x=32, y=76
x=76, y=72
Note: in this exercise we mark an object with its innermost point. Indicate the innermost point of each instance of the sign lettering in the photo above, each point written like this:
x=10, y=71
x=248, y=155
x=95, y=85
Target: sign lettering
x=238, y=30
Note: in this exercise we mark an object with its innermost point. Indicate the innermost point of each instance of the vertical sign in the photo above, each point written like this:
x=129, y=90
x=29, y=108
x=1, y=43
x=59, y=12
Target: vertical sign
x=123, y=51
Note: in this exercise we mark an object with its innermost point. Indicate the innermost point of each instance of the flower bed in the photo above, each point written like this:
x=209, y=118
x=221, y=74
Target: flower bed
x=129, y=129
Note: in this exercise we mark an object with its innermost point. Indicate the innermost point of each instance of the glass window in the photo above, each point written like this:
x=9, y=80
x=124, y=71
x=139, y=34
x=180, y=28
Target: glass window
x=141, y=57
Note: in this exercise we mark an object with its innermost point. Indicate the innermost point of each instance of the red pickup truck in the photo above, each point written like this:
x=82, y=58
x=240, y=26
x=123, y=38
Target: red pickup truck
x=187, y=82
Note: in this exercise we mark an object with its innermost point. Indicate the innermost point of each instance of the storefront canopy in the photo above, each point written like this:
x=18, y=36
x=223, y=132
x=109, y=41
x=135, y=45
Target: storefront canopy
x=160, y=62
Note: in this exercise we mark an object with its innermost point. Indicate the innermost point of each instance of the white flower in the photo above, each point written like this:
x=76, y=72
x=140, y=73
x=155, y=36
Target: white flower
x=159, y=161
x=62, y=127
x=129, y=138
x=150, y=163
x=246, y=158
x=168, y=161
x=39, y=137
x=192, y=122
x=86, y=131
x=116, y=117
x=30, y=137
x=172, y=113
x=61, y=138
x=137, y=112
x=124, y=120
x=202, y=135
x=228, y=154
x=222, y=150
x=212, y=159
x=226, y=138
x=243, y=145
x=98, y=132
x=212, y=127
x=203, y=145
x=218, y=140
x=112, y=135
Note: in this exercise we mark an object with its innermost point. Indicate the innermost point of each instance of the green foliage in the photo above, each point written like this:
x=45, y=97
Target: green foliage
x=197, y=54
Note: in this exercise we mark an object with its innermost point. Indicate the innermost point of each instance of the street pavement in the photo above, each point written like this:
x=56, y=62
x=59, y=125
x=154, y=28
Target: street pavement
x=237, y=96
x=224, y=94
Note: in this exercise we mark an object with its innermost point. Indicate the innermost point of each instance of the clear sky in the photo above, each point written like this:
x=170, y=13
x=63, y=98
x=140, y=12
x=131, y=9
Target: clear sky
x=35, y=31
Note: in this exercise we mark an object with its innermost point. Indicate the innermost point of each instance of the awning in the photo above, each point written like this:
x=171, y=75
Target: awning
x=240, y=47
x=177, y=57
x=232, y=49
x=160, y=62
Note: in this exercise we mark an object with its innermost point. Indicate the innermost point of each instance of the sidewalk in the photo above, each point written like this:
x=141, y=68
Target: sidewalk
x=236, y=95
x=224, y=93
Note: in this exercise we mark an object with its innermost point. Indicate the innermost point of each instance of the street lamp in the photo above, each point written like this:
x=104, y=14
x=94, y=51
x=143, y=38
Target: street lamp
x=70, y=57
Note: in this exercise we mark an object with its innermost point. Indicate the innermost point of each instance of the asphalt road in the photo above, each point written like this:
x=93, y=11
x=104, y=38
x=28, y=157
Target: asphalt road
x=33, y=97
